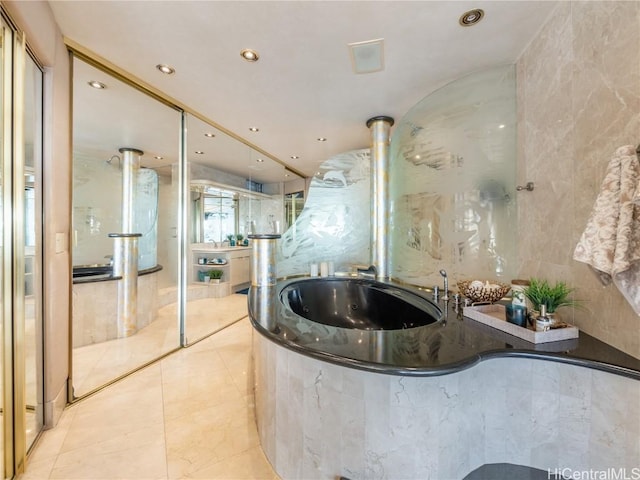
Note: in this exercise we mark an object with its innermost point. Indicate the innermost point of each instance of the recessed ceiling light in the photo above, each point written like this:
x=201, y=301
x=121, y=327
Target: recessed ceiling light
x=158, y=157
x=210, y=135
x=96, y=84
x=259, y=160
x=166, y=69
x=501, y=126
x=286, y=174
x=199, y=152
x=321, y=139
x=250, y=55
x=471, y=17
x=254, y=129
x=294, y=157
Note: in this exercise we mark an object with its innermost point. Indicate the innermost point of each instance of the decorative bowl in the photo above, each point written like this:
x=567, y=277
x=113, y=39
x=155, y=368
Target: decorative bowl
x=483, y=291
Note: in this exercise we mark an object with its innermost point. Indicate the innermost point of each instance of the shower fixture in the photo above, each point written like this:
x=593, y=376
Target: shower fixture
x=114, y=157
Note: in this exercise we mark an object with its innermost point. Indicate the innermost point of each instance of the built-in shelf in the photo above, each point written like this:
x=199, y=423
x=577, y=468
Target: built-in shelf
x=237, y=269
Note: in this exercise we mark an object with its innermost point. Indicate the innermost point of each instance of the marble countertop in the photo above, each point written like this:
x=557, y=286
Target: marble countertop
x=448, y=346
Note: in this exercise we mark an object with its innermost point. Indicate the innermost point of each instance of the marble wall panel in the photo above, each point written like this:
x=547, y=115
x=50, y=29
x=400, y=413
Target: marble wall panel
x=578, y=100
x=94, y=304
x=343, y=422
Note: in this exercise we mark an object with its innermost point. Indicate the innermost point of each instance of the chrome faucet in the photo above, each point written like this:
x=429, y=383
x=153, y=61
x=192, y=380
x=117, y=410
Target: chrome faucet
x=445, y=294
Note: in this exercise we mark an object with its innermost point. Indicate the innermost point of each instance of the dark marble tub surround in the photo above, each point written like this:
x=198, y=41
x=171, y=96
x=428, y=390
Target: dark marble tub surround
x=449, y=345
x=104, y=273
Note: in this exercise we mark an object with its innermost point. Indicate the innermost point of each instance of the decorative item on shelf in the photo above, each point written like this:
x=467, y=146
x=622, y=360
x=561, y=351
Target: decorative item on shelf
x=215, y=275
x=203, y=275
x=494, y=315
x=516, y=314
x=231, y=238
x=543, y=321
x=240, y=239
x=541, y=292
x=483, y=291
x=217, y=261
x=517, y=292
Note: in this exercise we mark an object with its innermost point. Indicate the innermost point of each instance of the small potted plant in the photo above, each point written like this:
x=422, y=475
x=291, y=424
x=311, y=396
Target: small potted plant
x=541, y=292
x=231, y=238
x=240, y=238
x=215, y=275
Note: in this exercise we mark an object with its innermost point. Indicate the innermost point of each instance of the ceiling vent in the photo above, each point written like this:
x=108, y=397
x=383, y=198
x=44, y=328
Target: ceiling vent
x=367, y=57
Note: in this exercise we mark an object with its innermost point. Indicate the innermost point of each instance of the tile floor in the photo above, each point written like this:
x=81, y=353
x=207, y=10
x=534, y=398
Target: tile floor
x=190, y=415
x=97, y=364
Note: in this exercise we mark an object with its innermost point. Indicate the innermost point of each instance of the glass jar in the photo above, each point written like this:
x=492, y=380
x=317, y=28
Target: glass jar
x=517, y=292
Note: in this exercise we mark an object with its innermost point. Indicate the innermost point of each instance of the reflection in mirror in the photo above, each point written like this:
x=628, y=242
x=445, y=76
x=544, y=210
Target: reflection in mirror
x=34, y=389
x=125, y=158
x=235, y=191
x=293, y=204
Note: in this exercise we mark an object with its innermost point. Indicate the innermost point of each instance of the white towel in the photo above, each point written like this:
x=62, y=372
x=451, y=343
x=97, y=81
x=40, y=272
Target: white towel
x=610, y=243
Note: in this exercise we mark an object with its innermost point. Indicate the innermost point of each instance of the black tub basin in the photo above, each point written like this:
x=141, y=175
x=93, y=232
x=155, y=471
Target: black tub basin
x=359, y=304
x=92, y=271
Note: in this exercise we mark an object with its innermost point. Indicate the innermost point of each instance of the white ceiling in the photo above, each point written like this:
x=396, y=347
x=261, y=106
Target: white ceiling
x=303, y=87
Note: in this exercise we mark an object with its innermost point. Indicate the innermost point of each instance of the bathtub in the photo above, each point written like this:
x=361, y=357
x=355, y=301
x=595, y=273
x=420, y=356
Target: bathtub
x=94, y=302
x=359, y=304
x=433, y=398
x=93, y=272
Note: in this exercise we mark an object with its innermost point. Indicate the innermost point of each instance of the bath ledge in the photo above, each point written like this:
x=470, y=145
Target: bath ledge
x=449, y=346
x=106, y=276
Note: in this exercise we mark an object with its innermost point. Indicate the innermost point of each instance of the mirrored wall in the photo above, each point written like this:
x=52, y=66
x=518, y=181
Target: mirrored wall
x=189, y=193
x=126, y=149
x=234, y=191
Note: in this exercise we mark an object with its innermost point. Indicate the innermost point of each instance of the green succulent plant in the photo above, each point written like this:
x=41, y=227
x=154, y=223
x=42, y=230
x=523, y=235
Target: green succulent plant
x=540, y=292
x=215, y=274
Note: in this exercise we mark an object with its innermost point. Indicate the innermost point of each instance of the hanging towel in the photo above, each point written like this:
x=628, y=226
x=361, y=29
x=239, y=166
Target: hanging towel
x=610, y=244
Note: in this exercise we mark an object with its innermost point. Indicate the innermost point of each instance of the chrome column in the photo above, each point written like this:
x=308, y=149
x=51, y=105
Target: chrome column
x=125, y=265
x=262, y=293
x=263, y=259
x=125, y=248
x=380, y=198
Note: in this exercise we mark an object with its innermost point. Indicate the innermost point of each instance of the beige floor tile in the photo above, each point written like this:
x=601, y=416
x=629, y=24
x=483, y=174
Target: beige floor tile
x=198, y=440
x=39, y=469
x=190, y=415
x=140, y=462
x=125, y=416
x=248, y=465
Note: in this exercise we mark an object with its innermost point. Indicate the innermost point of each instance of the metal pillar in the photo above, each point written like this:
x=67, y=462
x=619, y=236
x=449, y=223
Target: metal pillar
x=125, y=248
x=125, y=265
x=380, y=199
x=263, y=280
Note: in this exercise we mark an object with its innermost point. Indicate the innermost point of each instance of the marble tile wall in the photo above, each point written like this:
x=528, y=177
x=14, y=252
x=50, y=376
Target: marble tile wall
x=578, y=100
x=319, y=421
x=95, y=309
